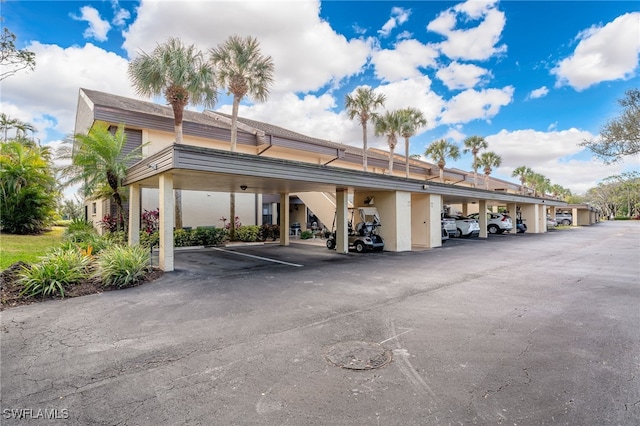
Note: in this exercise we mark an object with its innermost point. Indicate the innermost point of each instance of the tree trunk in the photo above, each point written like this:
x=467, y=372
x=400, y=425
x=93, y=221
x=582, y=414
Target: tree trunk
x=390, y=161
x=364, y=146
x=406, y=155
x=177, y=210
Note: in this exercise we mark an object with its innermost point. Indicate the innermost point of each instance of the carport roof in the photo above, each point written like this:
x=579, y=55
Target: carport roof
x=206, y=169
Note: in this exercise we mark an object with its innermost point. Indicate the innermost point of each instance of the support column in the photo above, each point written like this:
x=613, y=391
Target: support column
x=342, y=220
x=274, y=213
x=134, y=214
x=284, y=219
x=482, y=217
x=434, y=209
x=167, y=218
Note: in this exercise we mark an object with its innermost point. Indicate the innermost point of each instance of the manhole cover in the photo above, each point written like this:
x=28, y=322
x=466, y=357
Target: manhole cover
x=359, y=355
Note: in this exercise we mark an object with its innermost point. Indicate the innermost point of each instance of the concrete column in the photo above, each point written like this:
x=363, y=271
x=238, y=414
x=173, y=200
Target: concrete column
x=574, y=217
x=134, y=214
x=465, y=209
x=284, y=219
x=542, y=217
x=530, y=214
x=342, y=212
x=482, y=217
x=274, y=213
x=167, y=219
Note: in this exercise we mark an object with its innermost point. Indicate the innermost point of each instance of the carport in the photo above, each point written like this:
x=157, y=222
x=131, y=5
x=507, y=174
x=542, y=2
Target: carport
x=400, y=201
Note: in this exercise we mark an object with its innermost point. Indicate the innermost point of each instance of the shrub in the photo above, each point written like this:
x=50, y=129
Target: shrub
x=78, y=225
x=305, y=235
x=271, y=232
x=122, y=266
x=151, y=221
x=247, y=233
x=181, y=238
x=208, y=236
x=56, y=271
x=153, y=239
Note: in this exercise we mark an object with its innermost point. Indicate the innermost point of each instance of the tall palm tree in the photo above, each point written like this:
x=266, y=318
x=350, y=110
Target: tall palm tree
x=474, y=144
x=439, y=151
x=244, y=71
x=411, y=119
x=363, y=104
x=389, y=125
x=488, y=160
x=180, y=74
x=521, y=173
x=539, y=183
x=7, y=123
x=98, y=163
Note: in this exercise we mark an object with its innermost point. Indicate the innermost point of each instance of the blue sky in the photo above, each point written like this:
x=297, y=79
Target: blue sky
x=534, y=78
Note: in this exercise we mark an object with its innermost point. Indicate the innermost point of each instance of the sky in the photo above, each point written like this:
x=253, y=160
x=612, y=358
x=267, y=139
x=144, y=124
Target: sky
x=534, y=78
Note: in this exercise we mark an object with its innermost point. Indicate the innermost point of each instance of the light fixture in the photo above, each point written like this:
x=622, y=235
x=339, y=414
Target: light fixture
x=243, y=187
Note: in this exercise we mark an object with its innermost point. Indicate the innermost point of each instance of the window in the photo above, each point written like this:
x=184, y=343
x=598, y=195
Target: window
x=93, y=208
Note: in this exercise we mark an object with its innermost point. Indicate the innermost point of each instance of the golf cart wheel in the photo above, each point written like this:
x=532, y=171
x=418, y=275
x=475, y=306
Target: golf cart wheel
x=360, y=247
x=331, y=243
x=493, y=229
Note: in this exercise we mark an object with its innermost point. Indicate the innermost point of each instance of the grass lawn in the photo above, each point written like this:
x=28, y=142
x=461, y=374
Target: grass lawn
x=27, y=248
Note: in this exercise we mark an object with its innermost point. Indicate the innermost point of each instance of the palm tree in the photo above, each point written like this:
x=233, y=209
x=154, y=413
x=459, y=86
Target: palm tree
x=7, y=123
x=97, y=162
x=558, y=191
x=180, y=74
x=474, y=144
x=243, y=71
x=363, y=104
x=389, y=124
x=538, y=183
x=439, y=151
x=521, y=173
x=488, y=160
x=411, y=119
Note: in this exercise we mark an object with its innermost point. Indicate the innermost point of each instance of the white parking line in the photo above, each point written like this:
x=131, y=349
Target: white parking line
x=258, y=257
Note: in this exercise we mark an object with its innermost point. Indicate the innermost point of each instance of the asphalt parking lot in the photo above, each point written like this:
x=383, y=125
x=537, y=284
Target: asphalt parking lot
x=514, y=329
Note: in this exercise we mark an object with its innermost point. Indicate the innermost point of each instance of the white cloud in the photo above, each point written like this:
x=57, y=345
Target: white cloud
x=292, y=33
x=538, y=93
x=404, y=61
x=48, y=96
x=473, y=105
x=455, y=134
x=399, y=16
x=98, y=27
x=552, y=154
x=458, y=76
x=603, y=54
x=120, y=15
x=476, y=43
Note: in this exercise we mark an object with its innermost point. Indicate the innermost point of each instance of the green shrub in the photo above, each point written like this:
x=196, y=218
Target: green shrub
x=117, y=237
x=208, y=236
x=55, y=272
x=247, y=233
x=79, y=225
x=622, y=218
x=181, y=238
x=152, y=240
x=269, y=232
x=122, y=266
x=305, y=235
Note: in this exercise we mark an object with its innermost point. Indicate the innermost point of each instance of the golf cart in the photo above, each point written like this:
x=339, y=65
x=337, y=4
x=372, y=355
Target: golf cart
x=365, y=235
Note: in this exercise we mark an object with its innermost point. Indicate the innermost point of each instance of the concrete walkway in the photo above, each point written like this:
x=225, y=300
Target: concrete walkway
x=542, y=329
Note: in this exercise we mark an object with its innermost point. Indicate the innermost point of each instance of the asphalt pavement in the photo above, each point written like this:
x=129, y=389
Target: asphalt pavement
x=526, y=329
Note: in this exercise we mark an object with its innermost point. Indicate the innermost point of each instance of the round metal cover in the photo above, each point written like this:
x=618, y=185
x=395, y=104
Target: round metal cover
x=359, y=355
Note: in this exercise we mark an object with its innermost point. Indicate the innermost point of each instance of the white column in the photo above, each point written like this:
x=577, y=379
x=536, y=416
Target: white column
x=134, y=214
x=167, y=219
x=274, y=213
x=482, y=217
x=342, y=240
x=284, y=219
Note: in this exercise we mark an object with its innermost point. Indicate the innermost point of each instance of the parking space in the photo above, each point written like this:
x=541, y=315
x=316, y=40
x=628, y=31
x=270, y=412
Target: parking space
x=514, y=329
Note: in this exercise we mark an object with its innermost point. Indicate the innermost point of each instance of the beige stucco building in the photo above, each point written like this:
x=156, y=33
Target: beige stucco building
x=280, y=176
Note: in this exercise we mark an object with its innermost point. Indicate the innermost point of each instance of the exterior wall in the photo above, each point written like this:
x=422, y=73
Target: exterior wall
x=395, y=215
x=203, y=208
x=530, y=214
x=96, y=210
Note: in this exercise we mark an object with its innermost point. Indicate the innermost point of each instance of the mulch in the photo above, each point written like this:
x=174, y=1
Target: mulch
x=10, y=287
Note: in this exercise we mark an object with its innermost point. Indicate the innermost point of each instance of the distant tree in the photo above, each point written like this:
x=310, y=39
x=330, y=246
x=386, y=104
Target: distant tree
x=99, y=163
x=539, y=183
x=180, y=74
x=12, y=59
x=27, y=188
x=363, y=104
x=474, y=144
x=522, y=173
x=389, y=125
x=439, y=151
x=411, y=119
x=620, y=137
x=70, y=208
x=243, y=70
x=559, y=191
x=488, y=160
